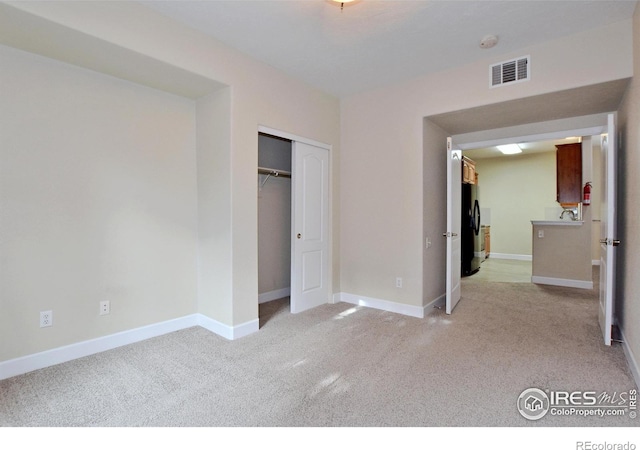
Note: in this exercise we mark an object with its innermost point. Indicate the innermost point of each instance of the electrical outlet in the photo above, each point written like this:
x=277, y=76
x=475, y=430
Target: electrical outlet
x=428, y=243
x=46, y=319
x=105, y=307
x=398, y=282
x=540, y=234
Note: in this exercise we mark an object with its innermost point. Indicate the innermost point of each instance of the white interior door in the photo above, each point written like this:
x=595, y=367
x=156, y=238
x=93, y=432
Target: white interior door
x=310, y=227
x=608, y=230
x=454, y=206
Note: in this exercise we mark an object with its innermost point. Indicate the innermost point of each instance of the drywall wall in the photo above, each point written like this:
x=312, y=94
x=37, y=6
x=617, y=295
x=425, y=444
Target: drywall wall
x=435, y=246
x=258, y=95
x=560, y=254
x=382, y=175
x=516, y=189
x=222, y=183
x=215, y=289
x=627, y=308
x=97, y=202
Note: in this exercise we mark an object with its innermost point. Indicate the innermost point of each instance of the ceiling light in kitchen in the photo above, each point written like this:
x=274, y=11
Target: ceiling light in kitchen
x=510, y=149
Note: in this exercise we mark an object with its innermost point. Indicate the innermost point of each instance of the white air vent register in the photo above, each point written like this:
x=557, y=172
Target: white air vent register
x=509, y=72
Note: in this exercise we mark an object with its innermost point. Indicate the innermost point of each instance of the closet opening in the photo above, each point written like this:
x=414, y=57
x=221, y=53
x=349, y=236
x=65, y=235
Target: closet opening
x=274, y=224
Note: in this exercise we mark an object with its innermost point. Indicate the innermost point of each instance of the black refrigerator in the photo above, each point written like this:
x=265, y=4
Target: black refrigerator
x=470, y=233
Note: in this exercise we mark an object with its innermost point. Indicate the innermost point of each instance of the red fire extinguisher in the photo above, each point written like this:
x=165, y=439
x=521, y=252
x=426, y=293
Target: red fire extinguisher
x=587, y=194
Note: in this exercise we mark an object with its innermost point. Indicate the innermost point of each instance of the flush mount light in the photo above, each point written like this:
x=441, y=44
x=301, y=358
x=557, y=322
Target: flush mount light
x=510, y=149
x=342, y=2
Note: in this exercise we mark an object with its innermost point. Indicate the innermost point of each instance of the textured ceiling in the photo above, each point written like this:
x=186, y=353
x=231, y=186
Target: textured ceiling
x=373, y=43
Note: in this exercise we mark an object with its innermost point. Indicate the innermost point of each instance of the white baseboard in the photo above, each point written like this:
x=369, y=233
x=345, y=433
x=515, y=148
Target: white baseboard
x=595, y=262
x=274, y=295
x=384, y=305
x=493, y=255
x=227, y=331
x=581, y=284
x=437, y=303
x=631, y=359
x=29, y=363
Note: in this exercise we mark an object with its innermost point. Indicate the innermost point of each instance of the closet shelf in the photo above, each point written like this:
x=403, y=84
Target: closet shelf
x=274, y=172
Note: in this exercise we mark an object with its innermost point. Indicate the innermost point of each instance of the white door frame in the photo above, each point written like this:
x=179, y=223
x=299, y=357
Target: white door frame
x=304, y=140
x=608, y=233
x=453, y=233
x=590, y=131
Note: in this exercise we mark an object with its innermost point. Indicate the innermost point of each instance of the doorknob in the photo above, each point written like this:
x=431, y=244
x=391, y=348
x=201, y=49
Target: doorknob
x=447, y=234
x=299, y=236
x=603, y=241
x=616, y=242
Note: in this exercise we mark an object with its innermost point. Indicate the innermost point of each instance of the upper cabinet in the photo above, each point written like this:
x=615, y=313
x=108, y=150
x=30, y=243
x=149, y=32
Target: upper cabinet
x=569, y=174
x=469, y=174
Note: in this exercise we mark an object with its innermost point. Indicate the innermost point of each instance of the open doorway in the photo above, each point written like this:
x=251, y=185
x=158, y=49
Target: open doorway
x=274, y=224
x=515, y=189
x=524, y=197
x=557, y=245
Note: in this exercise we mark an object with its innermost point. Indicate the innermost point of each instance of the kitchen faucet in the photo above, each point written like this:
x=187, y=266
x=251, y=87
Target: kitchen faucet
x=570, y=211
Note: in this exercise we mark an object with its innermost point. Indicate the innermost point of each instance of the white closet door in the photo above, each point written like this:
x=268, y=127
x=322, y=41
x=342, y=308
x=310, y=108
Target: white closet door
x=310, y=227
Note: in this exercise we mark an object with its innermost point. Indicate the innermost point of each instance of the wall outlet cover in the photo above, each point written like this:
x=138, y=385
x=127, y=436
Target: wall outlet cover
x=46, y=319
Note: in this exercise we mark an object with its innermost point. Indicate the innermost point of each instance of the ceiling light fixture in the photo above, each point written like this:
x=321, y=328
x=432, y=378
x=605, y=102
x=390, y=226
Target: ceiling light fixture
x=510, y=149
x=342, y=2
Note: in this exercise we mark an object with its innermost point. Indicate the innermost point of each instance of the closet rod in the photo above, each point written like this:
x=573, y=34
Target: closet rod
x=274, y=172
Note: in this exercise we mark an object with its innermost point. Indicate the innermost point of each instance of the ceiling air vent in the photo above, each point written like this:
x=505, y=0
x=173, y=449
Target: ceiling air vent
x=509, y=72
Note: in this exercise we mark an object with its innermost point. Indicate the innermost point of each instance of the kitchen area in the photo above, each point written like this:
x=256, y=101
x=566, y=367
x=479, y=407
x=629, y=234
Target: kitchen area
x=532, y=210
x=475, y=234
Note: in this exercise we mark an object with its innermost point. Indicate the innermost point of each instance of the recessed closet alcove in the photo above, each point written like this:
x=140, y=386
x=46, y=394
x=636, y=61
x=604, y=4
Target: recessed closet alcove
x=274, y=217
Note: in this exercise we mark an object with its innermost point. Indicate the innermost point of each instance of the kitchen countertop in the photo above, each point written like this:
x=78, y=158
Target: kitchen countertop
x=558, y=222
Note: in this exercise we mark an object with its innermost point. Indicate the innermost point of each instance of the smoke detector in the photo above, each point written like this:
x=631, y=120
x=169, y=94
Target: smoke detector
x=489, y=41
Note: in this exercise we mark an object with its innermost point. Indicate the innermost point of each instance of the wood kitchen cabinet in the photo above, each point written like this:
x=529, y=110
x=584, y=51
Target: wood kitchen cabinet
x=569, y=174
x=468, y=171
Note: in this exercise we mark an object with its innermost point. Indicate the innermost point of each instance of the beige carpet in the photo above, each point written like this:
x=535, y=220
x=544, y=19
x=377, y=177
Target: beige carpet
x=340, y=365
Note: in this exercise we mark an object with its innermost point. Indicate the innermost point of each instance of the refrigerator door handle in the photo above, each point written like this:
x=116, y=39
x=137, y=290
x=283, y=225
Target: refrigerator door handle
x=476, y=213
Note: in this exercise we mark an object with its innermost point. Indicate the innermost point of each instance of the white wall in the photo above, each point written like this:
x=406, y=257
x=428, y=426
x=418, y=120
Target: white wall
x=628, y=261
x=516, y=189
x=382, y=164
x=215, y=289
x=435, y=158
x=97, y=202
x=224, y=235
